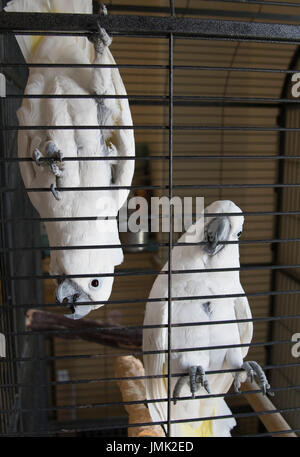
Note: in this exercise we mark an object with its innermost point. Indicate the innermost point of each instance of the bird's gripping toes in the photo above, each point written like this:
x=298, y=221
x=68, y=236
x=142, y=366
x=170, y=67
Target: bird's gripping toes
x=52, y=159
x=101, y=39
x=253, y=369
x=196, y=379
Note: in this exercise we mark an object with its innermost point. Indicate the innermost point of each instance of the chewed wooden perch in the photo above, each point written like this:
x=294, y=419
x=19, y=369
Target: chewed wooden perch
x=95, y=331
x=133, y=390
x=102, y=332
x=274, y=422
x=116, y=336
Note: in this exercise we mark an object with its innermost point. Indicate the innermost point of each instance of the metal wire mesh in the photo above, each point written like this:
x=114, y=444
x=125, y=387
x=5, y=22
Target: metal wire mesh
x=49, y=387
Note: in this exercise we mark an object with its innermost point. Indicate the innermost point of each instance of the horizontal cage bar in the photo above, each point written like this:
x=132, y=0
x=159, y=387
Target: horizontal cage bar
x=37, y=22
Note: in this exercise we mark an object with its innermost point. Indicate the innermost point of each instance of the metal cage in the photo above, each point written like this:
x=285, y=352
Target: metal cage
x=209, y=85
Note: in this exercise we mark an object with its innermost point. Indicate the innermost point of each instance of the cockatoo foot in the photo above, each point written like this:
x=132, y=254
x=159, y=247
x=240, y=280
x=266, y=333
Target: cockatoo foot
x=53, y=151
x=53, y=155
x=101, y=39
x=103, y=10
x=55, y=192
x=37, y=155
x=55, y=170
x=196, y=379
x=252, y=369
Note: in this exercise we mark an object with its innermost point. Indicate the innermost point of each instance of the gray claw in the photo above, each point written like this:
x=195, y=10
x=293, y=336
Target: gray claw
x=252, y=369
x=197, y=378
x=178, y=386
x=101, y=39
x=53, y=154
x=52, y=150
x=193, y=382
x=203, y=379
x=36, y=156
x=263, y=382
x=103, y=10
x=55, y=170
x=237, y=382
x=249, y=370
x=55, y=192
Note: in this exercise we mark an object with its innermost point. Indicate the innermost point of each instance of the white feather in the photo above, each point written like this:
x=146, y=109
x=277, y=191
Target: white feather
x=193, y=311
x=75, y=143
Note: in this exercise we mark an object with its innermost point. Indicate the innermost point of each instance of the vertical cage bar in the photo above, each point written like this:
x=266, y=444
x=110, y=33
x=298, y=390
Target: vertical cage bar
x=10, y=370
x=172, y=7
x=171, y=93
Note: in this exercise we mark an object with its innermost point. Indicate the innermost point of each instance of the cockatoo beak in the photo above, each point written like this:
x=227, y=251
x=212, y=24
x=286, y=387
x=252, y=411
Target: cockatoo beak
x=70, y=294
x=79, y=312
x=216, y=232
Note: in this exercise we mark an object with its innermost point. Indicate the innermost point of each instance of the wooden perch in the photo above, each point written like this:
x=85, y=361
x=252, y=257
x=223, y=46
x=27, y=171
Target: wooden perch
x=133, y=390
x=273, y=422
x=105, y=333
x=130, y=338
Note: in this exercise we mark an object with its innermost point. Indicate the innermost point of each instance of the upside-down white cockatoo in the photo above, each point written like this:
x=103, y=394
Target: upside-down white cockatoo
x=49, y=148
x=193, y=341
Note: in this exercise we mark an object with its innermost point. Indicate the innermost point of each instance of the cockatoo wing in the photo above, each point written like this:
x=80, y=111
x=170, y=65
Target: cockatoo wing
x=70, y=112
x=155, y=339
x=108, y=81
x=243, y=311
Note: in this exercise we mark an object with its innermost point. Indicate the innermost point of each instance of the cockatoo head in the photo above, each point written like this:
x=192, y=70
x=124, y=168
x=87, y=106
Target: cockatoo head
x=89, y=271
x=81, y=294
x=222, y=227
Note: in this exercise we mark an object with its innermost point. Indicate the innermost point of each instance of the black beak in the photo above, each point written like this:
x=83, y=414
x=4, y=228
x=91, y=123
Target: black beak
x=69, y=294
x=216, y=232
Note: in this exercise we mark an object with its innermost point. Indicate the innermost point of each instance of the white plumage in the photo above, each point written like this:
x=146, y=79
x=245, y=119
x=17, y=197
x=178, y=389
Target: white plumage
x=212, y=255
x=52, y=143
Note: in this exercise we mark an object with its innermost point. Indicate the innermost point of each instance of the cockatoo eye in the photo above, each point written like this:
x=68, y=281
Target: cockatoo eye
x=239, y=234
x=95, y=283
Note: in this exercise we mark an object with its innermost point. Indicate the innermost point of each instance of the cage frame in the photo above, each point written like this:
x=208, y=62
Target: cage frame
x=168, y=27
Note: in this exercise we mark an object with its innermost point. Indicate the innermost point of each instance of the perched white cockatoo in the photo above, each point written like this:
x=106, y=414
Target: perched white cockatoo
x=212, y=254
x=49, y=148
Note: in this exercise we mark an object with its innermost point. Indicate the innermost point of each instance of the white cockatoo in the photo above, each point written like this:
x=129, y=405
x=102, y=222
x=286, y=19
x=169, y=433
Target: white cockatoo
x=212, y=254
x=51, y=148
